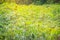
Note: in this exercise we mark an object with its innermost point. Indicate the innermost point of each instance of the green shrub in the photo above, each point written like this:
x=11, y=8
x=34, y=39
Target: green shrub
x=22, y=22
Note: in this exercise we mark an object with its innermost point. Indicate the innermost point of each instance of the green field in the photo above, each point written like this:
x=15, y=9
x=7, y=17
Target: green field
x=29, y=22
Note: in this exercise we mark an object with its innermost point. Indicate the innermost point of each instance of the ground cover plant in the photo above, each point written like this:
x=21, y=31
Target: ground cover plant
x=29, y=22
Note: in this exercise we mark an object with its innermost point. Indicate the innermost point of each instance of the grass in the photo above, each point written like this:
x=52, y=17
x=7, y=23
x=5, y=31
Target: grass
x=29, y=22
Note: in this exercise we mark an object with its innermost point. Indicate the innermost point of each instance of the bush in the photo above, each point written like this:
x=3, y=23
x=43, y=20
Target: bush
x=29, y=22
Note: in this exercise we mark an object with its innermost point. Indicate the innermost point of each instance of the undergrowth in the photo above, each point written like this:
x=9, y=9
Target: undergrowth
x=29, y=22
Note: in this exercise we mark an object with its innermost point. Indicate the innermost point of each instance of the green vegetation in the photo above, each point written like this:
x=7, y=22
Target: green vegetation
x=29, y=22
x=36, y=2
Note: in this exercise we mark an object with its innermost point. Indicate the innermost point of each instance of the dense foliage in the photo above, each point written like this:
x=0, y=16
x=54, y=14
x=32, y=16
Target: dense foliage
x=22, y=22
x=32, y=1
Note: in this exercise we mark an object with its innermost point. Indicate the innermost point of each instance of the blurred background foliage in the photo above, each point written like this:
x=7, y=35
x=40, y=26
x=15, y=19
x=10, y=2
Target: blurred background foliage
x=30, y=22
x=32, y=1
